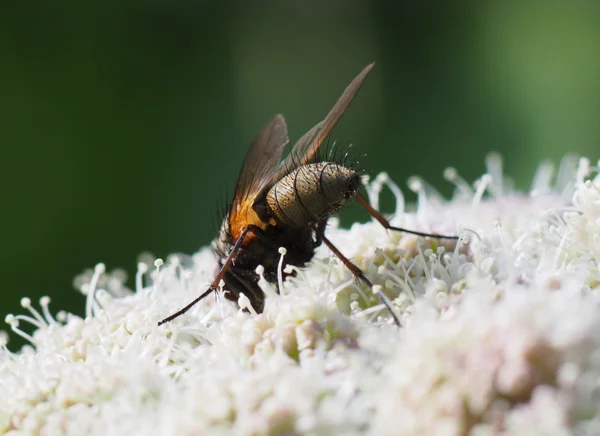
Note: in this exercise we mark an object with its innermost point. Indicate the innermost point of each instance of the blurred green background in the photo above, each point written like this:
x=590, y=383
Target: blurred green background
x=122, y=124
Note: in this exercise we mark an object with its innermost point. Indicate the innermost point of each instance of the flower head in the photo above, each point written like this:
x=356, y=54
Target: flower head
x=501, y=331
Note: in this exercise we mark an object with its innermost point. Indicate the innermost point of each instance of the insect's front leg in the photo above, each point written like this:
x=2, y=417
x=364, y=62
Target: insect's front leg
x=217, y=280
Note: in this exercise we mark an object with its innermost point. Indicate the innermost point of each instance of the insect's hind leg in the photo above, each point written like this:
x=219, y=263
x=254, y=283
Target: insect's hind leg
x=385, y=223
x=359, y=274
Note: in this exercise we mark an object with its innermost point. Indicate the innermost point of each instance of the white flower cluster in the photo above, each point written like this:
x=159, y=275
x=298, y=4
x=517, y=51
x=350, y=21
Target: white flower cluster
x=501, y=332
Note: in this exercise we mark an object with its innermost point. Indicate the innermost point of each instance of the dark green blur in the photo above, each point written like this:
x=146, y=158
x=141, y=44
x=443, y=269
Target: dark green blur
x=122, y=127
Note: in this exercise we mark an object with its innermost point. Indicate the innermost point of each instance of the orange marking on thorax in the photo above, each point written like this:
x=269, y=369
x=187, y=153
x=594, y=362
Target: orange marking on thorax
x=242, y=218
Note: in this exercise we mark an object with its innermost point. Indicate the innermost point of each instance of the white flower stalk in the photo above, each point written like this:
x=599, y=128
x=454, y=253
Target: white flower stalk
x=501, y=332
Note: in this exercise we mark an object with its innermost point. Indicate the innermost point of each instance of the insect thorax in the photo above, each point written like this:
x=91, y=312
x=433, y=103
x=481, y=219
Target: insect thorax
x=311, y=193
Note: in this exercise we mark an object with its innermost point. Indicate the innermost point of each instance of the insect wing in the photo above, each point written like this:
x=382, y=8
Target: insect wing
x=307, y=146
x=261, y=164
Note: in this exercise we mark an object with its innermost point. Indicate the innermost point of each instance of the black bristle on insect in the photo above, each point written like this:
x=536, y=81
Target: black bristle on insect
x=332, y=151
x=220, y=212
x=219, y=216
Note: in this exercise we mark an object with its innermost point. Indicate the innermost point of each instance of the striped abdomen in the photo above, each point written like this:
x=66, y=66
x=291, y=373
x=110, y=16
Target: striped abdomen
x=311, y=193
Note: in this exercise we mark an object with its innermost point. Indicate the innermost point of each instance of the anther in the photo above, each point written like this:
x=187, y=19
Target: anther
x=244, y=303
x=415, y=184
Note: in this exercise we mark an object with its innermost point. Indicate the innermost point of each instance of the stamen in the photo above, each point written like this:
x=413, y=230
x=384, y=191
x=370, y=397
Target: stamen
x=583, y=170
x=374, y=190
x=481, y=185
x=592, y=185
x=142, y=269
x=494, y=166
x=103, y=299
x=355, y=285
x=219, y=292
x=377, y=291
x=157, y=281
x=244, y=303
x=462, y=187
x=346, y=284
x=62, y=316
x=208, y=316
x=564, y=178
x=26, y=304
x=175, y=261
x=89, y=300
x=30, y=320
x=397, y=194
x=45, y=303
x=3, y=340
x=386, y=259
x=437, y=266
x=422, y=258
x=266, y=287
x=465, y=238
x=375, y=310
x=115, y=284
x=542, y=179
x=559, y=250
x=406, y=271
x=13, y=322
x=559, y=217
x=402, y=284
x=415, y=184
x=282, y=251
x=290, y=269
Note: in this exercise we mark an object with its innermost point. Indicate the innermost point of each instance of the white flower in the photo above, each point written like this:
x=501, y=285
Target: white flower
x=501, y=332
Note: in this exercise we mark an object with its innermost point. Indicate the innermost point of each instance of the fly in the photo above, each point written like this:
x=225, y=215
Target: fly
x=286, y=204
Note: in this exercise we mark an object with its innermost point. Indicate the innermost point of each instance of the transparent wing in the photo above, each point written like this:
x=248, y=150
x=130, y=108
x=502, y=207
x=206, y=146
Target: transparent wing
x=261, y=164
x=307, y=146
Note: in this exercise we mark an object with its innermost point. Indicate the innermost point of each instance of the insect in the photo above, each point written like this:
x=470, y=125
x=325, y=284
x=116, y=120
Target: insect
x=286, y=204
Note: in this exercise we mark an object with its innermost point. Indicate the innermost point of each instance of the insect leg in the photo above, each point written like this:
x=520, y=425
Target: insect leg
x=215, y=284
x=358, y=274
x=385, y=223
